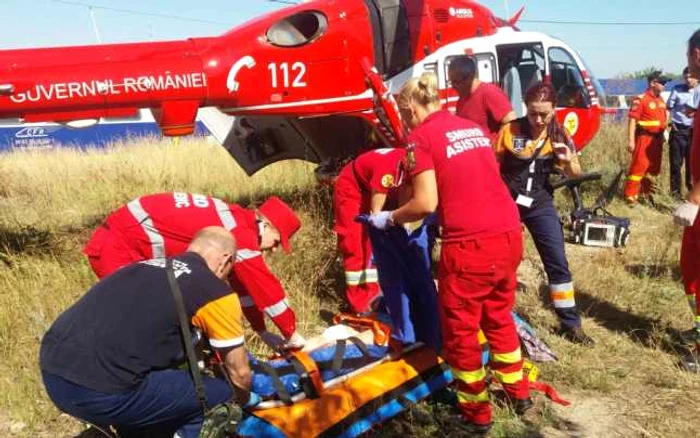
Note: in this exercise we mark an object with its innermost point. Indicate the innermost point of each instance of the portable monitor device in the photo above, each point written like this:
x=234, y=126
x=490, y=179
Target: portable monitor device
x=606, y=232
x=594, y=226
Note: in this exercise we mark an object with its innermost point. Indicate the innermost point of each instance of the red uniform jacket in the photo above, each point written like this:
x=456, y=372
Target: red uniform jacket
x=164, y=224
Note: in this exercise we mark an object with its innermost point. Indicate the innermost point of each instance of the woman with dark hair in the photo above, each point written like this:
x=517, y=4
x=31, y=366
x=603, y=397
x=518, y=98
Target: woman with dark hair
x=529, y=149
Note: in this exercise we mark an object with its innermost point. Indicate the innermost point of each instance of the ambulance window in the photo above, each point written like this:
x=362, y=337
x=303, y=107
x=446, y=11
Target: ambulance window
x=298, y=29
x=567, y=80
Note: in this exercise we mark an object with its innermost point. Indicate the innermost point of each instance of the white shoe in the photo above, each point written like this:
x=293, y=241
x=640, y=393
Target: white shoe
x=272, y=340
x=294, y=342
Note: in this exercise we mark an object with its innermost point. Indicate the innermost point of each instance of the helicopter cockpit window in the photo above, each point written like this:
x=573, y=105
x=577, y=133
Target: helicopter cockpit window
x=567, y=80
x=298, y=29
x=520, y=66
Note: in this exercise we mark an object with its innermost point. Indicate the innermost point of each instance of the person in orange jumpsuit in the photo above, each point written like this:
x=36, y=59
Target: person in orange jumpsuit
x=647, y=122
x=687, y=215
x=362, y=187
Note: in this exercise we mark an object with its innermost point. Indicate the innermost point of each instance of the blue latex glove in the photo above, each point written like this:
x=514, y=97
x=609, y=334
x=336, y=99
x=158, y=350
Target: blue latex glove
x=362, y=218
x=381, y=220
x=253, y=401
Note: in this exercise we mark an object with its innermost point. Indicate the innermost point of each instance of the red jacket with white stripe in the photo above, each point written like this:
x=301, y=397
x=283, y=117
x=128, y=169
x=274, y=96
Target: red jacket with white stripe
x=164, y=224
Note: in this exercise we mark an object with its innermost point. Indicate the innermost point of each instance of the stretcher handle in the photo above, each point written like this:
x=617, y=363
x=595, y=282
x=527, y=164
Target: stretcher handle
x=576, y=180
x=380, y=331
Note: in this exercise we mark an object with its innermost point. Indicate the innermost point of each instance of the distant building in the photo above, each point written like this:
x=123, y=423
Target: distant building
x=16, y=135
x=620, y=92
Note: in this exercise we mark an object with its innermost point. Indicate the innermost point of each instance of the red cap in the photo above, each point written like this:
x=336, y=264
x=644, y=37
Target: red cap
x=282, y=217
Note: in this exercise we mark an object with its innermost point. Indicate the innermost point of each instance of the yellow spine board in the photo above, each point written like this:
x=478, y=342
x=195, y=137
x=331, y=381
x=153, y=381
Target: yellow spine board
x=307, y=418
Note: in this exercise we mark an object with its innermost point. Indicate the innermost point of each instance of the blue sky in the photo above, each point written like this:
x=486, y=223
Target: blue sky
x=608, y=50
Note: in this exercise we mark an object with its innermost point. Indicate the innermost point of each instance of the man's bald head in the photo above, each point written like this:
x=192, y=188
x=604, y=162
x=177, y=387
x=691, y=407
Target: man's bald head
x=218, y=248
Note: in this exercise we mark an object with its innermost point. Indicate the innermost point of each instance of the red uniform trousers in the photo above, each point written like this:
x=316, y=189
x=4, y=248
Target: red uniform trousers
x=646, y=160
x=690, y=270
x=108, y=250
x=477, y=281
x=361, y=278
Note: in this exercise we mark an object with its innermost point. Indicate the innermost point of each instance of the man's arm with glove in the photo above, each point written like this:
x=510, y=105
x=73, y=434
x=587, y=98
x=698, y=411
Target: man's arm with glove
x=267, y=294
x=686, y=213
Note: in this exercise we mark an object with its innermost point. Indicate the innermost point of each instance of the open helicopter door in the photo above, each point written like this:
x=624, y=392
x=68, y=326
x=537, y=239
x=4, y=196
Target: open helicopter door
x=578, y=94
x=257, y=141
x=522, y=64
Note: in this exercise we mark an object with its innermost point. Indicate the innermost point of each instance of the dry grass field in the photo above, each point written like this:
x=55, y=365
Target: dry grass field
x=629, y=385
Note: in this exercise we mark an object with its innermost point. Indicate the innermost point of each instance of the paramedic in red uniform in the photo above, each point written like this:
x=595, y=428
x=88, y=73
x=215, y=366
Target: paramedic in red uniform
x=456, y=172
x=362, y=187
x=163, y=224
x=687, y=215
x=647, y=122
x=481, y=102
x=529, y=149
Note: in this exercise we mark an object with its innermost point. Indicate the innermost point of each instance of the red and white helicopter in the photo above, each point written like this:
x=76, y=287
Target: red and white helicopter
x=296, y=79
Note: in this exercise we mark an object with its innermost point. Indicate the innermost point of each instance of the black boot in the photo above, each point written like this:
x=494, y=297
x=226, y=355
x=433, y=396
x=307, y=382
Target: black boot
x=478, y=430
x=576, y=335
x=522, y=405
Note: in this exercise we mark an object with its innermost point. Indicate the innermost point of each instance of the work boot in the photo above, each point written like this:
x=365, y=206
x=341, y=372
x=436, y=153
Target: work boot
x=576, y=336
x=477, y=430
x=528, y=411
x=522, y=405
x=689, y=337
x=691, y=362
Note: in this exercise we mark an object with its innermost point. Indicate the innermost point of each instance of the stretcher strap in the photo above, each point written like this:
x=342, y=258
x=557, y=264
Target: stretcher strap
x=309, y=375
x=281, y=390
x=432, y=374
x=339, y=355
x=550, y=392
x=380, y=331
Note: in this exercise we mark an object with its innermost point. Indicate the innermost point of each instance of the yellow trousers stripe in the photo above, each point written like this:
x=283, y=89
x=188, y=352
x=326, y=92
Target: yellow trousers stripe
x=512, y=357
x=463, y=397
x=469, y=376
x=509, y=378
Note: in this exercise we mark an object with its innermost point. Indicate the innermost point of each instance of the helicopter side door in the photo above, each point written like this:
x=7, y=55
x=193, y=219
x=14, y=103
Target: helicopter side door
x=577, y=103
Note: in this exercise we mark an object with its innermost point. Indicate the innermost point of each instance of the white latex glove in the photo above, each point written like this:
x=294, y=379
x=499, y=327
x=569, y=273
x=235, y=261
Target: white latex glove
x=685, y=214
x=381, y=220
x=295, y=342
x=272, y=340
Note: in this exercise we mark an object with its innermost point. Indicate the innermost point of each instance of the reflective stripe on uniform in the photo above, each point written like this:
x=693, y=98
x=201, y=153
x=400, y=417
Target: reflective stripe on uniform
x=246, y=254
x=469, y=376
x=354, y=278
x=509, y=378
x=227, y=343
x=224, y=213
x=246, y=301
x=635, y=177
x=146, y=223
x=464, y=397
x=277, y=308
x=649, y=123
x=563, y=295
x=512, y=357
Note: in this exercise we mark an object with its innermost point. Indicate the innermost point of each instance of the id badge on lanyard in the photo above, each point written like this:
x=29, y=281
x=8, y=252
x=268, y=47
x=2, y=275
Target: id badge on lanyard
x=524, y=199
